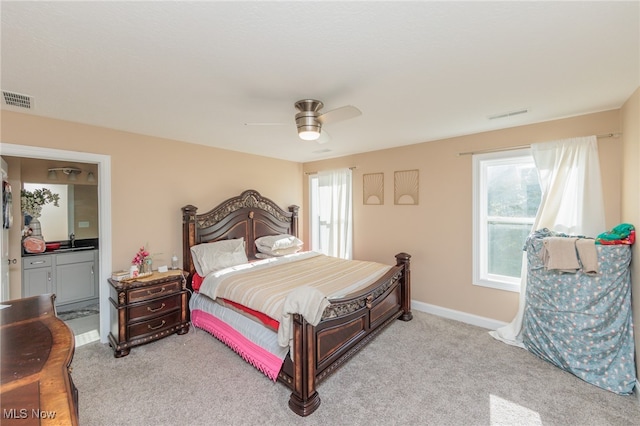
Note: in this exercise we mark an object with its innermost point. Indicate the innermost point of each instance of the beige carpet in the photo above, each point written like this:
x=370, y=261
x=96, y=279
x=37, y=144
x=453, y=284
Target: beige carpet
x=429, y=371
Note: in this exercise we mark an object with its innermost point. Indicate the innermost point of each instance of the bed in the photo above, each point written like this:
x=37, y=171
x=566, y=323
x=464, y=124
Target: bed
x=345, y=323
x=579, y=317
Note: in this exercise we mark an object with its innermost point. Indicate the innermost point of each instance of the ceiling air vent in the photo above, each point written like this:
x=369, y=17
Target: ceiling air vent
x=17, y=100
x=509, y=114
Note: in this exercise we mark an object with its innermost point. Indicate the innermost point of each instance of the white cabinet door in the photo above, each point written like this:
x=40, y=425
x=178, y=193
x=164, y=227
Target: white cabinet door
x=37, y=281
x=37, y=275
x=75, y=277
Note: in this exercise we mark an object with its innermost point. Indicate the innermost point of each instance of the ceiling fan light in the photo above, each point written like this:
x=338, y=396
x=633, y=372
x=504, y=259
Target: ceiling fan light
x=308, y=125
x=309, y=134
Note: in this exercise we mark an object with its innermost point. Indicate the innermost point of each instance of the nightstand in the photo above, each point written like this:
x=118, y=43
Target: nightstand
x=147, y=309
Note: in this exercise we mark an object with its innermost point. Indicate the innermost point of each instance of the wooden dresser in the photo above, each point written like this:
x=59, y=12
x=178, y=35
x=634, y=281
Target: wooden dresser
x=147, y=309
x=37, y=350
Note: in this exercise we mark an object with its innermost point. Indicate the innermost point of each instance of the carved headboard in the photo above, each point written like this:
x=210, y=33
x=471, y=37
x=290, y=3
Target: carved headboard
x=248, y=215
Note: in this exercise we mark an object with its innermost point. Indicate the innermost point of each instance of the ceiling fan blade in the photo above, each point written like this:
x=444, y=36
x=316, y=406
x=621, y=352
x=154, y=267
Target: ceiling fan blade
x=339, y=114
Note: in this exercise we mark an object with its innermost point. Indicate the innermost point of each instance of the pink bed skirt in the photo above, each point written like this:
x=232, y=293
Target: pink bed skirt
x=255, y=355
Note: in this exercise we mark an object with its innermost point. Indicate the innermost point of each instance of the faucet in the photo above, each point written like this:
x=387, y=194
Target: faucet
x=72, y=239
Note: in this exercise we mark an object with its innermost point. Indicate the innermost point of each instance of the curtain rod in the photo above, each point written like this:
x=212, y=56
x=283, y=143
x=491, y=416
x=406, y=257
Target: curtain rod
x=315, y=173
x=485, y=151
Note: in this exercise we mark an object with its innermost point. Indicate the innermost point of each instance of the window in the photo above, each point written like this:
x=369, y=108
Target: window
x=331, y=213
x=506, y=196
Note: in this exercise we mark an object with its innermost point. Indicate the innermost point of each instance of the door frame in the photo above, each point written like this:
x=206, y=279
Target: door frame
x=104, y=211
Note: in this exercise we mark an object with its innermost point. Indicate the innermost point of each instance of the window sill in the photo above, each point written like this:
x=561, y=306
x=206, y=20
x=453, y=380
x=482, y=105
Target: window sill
x=498, y=285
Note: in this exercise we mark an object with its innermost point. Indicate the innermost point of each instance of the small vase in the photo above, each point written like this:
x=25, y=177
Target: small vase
x=36, y=231
x=34, y=242
x=146, y=267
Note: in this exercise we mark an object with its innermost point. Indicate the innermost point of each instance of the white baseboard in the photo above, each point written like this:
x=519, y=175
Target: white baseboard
x=479, y=321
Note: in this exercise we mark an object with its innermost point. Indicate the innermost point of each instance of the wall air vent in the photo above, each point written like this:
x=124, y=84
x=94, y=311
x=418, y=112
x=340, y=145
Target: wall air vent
x=509, y=114
x=17, y=100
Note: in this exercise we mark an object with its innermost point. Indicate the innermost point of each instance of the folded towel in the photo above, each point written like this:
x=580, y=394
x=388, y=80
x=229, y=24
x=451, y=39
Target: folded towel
x=560, y=253
x=586, y=248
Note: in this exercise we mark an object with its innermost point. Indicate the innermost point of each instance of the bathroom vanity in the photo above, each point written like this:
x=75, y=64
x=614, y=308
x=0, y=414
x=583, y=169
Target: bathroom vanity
x=70, y=274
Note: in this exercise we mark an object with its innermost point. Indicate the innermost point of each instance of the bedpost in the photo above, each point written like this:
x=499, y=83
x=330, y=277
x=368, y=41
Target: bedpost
x=188, y=239
x=403, y=259
x=304, y=399
x=294, y=220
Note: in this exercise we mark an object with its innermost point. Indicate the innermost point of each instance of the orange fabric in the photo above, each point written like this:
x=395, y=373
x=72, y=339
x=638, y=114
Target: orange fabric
x=34, y=245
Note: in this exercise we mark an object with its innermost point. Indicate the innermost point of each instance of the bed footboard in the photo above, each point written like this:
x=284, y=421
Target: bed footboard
x=346, y=326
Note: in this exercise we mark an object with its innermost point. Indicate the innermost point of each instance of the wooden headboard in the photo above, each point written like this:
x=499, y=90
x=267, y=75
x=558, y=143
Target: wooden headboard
x=248, y=215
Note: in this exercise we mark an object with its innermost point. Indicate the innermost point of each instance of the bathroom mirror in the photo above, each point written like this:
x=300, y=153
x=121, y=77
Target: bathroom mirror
x=77, y=212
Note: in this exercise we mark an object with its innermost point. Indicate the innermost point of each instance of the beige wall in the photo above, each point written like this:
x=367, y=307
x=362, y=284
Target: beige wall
x=437, y=232
x=630, y=117
x=152, y=178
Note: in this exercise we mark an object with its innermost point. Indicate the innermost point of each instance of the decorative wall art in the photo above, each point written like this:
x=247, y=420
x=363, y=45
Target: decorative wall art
x=405, y=185
x=373, y=188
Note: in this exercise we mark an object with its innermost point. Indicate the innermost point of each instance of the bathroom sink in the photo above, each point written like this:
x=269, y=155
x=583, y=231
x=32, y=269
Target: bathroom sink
x=68, y=249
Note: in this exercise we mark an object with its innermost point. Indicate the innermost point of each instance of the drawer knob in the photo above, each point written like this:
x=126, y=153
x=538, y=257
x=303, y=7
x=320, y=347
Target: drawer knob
x=161, y=307
x=156, y=292
x=158, y=326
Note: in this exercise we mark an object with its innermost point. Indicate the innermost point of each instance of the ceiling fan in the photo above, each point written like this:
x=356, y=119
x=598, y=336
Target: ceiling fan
x=309, y=119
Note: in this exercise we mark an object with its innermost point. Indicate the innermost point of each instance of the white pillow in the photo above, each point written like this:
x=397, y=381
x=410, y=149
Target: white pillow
x=211, y=257
x=280, y=252
x=278, y=242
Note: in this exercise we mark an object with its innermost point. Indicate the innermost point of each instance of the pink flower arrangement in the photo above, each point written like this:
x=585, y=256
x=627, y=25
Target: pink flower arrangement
x=140, y=256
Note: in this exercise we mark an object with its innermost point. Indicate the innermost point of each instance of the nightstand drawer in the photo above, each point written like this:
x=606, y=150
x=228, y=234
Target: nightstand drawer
x=152, y=291
x=155, y=307
x=154, y=325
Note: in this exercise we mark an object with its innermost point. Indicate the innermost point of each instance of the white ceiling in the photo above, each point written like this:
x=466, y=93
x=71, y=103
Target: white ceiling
x=418, y=71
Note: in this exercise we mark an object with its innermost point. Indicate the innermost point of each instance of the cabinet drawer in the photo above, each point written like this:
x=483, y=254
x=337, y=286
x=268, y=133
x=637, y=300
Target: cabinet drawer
x=154, y=325
x=75, y=257
x=152, y=291
x=29, y=262
x=154, y=308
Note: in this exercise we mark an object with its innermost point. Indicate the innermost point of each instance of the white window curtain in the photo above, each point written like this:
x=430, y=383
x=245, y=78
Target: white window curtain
x=572, y=202
x=331, y=213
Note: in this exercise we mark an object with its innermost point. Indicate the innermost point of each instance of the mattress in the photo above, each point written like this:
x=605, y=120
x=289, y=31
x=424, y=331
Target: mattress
x=253, y=341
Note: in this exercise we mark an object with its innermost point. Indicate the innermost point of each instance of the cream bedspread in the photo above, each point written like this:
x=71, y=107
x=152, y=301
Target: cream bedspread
x=296, y=284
